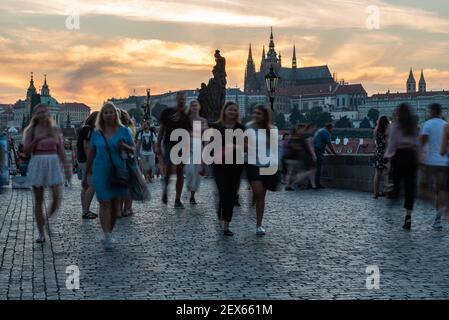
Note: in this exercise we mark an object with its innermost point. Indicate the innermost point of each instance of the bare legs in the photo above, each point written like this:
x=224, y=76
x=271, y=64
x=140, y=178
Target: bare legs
x=259, y=193
x=39, y=207
x=108, y=214
x=86, y=198
x=378, y=174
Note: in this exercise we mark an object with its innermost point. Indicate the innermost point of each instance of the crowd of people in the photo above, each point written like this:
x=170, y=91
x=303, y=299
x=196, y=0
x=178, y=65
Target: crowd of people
x=117, y=162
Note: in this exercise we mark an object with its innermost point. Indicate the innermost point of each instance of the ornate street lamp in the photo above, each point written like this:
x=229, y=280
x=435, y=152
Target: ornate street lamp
x=271, y=80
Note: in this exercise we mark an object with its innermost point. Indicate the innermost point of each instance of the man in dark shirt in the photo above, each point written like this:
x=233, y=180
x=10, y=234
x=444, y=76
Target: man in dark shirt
x=322, y=141
x=171, y=119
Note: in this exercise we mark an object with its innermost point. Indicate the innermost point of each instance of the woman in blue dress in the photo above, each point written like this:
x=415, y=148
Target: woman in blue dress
x=108, y=127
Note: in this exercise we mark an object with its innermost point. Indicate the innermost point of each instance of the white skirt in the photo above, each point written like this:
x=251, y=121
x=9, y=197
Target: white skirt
x=45, y=171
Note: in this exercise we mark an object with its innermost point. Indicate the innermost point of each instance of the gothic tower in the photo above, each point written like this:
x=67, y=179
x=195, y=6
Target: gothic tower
x=262, y=62
x=294, y=64
x=422, y=83
x=250, y=73
x=411, y=82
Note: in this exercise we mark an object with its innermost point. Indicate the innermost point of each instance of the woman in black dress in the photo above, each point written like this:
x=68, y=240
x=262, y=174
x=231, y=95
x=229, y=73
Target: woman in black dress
x=380, y=164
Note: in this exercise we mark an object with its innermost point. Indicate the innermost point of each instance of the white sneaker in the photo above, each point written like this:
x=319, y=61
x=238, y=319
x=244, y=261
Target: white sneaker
x=260, y=231
x=437, y=225
x=108, y=241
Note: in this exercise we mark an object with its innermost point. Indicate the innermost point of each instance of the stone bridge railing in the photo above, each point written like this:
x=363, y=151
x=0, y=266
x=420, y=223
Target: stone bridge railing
x=353, y=172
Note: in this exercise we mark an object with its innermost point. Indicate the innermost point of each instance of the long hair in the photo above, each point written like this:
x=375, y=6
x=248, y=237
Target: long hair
x=406, y=120
x=90, y=121
x=382, y=124
x=222, y=119
x=49, y=122
x=267, y=116
x=99, y=123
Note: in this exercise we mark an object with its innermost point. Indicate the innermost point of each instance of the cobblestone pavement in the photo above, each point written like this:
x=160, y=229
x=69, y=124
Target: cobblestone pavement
x=318, y=245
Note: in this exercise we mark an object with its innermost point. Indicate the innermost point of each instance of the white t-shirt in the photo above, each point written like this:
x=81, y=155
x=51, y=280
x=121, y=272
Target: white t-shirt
x=145, y=138
x=433, y=128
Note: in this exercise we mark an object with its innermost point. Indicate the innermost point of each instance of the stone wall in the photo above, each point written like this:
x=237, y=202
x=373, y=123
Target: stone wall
x=353, y=172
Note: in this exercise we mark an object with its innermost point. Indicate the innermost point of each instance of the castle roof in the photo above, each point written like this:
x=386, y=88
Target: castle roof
x=408, y=95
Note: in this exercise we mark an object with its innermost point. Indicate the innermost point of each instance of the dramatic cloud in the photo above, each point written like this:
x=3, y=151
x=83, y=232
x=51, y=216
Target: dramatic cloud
x=130, y=45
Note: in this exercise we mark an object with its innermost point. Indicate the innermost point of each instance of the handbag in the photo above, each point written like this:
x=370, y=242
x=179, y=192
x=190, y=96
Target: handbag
x=119, y=176
x=138, y=189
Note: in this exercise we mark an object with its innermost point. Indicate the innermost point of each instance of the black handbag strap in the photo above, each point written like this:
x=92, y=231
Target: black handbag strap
x=108, y=148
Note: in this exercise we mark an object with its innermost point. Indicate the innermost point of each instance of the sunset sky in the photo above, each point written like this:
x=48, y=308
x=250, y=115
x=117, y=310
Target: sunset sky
x=126, y=45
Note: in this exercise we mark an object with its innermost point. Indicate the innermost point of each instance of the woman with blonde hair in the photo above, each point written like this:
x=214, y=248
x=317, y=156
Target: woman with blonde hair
x=227, y=176
x=110, y=175
x=194, y=171
x=42, y=140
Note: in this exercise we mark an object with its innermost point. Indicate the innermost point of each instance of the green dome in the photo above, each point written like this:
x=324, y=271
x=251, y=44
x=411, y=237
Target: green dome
x=50, y=101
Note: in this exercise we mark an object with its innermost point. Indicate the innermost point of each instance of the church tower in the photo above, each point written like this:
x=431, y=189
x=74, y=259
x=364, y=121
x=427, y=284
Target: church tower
x=45, y=91
x=250, y=73
x=422, y=83
x=411, y=82
x=272, y=57
x=31, y=89
x=294, y=64
x=262, y=62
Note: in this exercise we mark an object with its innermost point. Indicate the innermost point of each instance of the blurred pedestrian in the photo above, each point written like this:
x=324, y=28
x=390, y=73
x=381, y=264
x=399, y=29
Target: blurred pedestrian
x=109, y=169
x=322, y=142
x=262, y=119
x=43, y=141
x=126, y=203
x=380, y=163
x=227, y=176
x=145, y=146
x=434, y=166
x=402, y=151
x=69, y=163
x=82, y=147
x=171, y=119
x=195, y=171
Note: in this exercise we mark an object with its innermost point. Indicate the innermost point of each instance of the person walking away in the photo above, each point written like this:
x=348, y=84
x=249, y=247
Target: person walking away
x=380, y=163
x=322, y=141
x=434, y=166
x=261, y=119
x=82, y=147
x=171, y=119
x=402, y=151
x=42, y=140
x=146, y=143
x=227, y=176
x=105, y=162
x=195, y=171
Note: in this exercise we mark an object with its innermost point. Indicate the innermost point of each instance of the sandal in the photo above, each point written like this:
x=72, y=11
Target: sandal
x=127, y=214
x=89, y=215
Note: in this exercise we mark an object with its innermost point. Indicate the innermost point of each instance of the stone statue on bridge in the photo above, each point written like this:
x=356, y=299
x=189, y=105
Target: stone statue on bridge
x=212, y=96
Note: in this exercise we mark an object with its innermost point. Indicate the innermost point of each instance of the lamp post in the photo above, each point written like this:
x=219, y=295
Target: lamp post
x=271, y=80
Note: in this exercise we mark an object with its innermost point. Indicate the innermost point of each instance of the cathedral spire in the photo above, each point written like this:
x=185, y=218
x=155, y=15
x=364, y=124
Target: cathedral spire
x=280, y=59
x=422, y=83
x=272, y=55
x=262, y=62
x=411, y=82
x=294, y=63
x=250, y=72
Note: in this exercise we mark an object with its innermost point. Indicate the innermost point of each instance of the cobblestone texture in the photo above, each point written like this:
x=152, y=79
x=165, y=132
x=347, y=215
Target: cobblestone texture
x=318, y=245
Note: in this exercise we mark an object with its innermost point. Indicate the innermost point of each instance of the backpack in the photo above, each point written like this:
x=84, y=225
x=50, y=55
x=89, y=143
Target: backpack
x=147, y=145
